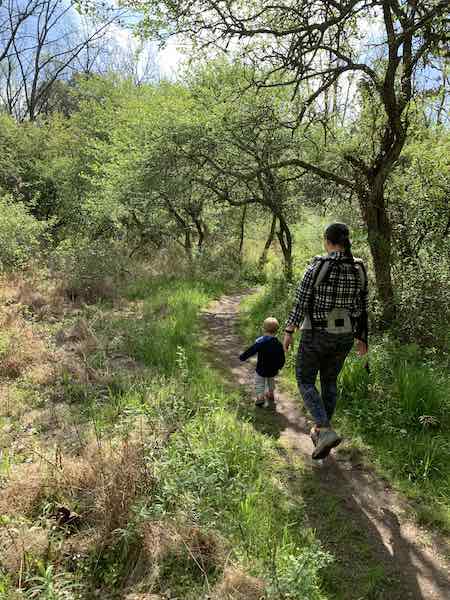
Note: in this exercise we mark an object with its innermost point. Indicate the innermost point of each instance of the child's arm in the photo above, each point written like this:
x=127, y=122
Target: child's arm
x=250, y=351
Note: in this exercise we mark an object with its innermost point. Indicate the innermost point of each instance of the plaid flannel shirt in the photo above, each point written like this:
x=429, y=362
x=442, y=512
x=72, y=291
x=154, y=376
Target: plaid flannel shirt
x=342, y=289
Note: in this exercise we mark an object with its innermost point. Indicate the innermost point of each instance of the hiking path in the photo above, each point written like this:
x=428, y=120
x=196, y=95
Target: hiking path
x=355, y=513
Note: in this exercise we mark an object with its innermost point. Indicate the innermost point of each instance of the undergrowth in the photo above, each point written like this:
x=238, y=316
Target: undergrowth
x=132, y=472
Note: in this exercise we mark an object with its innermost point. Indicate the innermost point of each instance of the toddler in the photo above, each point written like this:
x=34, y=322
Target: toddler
x=270, y=361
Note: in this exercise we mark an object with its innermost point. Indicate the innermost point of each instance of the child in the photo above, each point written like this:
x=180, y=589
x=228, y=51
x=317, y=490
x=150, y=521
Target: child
x=270, y=361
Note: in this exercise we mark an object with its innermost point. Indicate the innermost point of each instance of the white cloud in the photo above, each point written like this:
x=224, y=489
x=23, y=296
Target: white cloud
x=123, y=37
x=170, y=59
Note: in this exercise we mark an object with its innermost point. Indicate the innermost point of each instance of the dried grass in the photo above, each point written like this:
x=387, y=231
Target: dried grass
x=40, y=297
x=140, y=596
x=159, y=540
x=106, y=482
x=236, y=585
x=11, y=401
x=42, y=374
x=20, y=544
x=25, y=489
x=79, y=332
x=20, y=346
x=89, y=291
x=165, y=538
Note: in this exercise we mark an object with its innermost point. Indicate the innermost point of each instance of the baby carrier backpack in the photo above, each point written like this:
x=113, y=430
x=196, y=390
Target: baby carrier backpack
x=338, y=320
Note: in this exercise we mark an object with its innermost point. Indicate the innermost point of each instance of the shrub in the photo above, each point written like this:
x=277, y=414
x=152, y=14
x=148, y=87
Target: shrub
x=21, y=235
x=424, y=300
x=91, y=269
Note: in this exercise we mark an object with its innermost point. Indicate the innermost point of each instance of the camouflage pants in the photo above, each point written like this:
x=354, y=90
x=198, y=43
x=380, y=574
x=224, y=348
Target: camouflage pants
x=324, y=353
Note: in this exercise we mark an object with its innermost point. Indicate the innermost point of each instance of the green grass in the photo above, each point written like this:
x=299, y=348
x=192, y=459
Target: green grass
x=207, y=471
x=401, y=412
x=169, y=321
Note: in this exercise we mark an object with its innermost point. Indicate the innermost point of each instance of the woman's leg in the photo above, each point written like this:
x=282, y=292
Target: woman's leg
x=330, y=367
x=308, y=364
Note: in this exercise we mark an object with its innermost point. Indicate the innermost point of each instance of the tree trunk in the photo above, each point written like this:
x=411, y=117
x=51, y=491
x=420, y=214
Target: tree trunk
x=285, y=238
x=184, y=226
x=201, y=231
x=263, y=258
x=188, y=243
x=242, y=231
x=373, y=208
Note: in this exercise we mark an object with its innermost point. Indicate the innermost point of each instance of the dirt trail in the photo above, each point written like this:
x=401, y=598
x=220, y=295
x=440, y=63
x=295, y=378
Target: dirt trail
x=411, y=556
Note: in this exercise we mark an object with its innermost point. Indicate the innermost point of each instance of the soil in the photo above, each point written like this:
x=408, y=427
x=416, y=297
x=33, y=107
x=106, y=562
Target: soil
x=414, y=558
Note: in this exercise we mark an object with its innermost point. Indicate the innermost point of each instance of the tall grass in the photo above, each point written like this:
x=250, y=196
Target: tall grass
x=173, y=492
x=402, y=412
x=169, y=322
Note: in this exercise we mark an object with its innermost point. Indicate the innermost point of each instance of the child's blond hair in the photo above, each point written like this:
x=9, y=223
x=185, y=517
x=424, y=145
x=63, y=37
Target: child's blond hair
x=270, y=325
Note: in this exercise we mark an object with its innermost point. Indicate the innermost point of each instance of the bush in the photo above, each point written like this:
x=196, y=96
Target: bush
x=424, y=300
x=401, y=410
x=91, y=269
x=21, y=235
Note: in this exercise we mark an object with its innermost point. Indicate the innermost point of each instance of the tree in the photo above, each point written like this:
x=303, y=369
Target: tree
x=311, y=47
x=13, y=15
x=240, y=150
x=42, y=43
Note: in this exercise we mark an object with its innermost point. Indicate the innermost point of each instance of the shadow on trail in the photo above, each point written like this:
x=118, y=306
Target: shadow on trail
x=353, y=512
x=374, y=560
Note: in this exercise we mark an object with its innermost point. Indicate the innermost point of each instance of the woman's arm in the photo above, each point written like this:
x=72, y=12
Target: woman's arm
x=303, y=297
x=362, y=322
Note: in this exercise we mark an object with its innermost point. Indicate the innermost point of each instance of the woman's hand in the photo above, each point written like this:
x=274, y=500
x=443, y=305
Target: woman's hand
x=287, y=341
x=361, y=348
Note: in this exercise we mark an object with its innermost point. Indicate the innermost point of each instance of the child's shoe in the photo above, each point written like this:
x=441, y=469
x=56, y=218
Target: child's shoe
x=270, y=404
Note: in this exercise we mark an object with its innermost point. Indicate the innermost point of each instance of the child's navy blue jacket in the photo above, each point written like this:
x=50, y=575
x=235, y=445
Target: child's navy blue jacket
x=270, y=355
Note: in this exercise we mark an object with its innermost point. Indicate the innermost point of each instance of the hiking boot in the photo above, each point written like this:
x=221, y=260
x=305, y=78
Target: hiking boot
x=314, y=435
x=328, y=439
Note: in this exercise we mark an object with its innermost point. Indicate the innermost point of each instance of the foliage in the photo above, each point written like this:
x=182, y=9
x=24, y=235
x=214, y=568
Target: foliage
x=91, y=269
x=424, y=300
x=21, y=235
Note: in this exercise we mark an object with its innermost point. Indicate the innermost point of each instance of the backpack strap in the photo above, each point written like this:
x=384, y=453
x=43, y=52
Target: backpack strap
x=322, y=272
x=319, y=275
x=362, y=322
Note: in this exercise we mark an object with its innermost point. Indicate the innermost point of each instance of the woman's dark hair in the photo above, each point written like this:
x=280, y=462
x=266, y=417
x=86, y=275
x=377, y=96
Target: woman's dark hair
x=339, y=234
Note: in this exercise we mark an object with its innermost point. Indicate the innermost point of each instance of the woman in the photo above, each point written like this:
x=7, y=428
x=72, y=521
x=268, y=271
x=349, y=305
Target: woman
x=331, y=310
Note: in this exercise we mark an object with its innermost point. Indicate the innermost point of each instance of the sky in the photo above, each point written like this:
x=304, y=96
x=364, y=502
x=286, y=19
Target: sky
x=169, y=58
